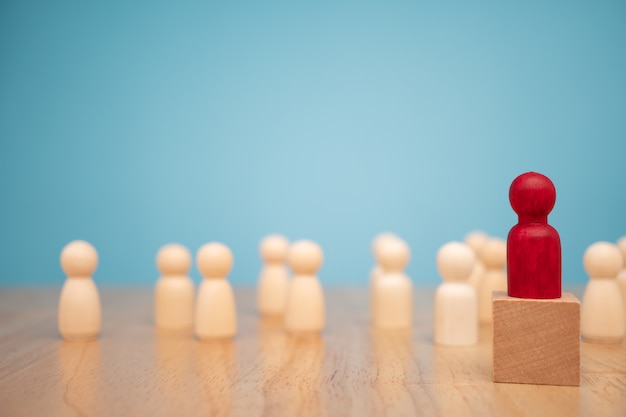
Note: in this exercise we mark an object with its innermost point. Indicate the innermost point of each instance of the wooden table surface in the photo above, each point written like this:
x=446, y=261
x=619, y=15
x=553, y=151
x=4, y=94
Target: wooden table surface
x=134, y=370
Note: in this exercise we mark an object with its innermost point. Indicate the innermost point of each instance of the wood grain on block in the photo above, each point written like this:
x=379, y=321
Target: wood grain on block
x=536, y=341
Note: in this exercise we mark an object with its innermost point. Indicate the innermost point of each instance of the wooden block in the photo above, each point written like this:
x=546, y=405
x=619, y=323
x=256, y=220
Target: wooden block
x=536, y=341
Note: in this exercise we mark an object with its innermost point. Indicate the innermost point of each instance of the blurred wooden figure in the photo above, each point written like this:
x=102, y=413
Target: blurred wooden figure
x=621, y=277
x=174, y=291
x=602, y=314
x=456, y=308
x=392, y=306
x=305, y=310
x=377, y=269
x=493, y=256
x=274, y=277
x=216, y=315
x=377, y=243
x=80, y=315
x=477, y=241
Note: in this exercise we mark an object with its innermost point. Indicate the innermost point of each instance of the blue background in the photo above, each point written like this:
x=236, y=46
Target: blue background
x=135, y=124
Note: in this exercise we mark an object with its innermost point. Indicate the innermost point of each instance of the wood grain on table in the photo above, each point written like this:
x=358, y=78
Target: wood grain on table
x=352, y=370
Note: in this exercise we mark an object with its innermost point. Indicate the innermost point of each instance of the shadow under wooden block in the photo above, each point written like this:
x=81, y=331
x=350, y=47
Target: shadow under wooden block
x=536, y=341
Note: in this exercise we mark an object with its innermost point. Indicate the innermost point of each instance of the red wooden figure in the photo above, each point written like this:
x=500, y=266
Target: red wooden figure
x=533, y=246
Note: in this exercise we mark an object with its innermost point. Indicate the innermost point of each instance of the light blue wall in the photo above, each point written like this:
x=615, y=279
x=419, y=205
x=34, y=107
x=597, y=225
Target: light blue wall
x=134, y=125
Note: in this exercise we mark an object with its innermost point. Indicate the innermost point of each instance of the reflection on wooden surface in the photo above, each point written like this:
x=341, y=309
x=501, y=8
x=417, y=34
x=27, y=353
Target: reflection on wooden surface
x=292, y=368
x=215, y=364
x=351, y=370
x=79, y=366
x=174, y=368
x=393, y=359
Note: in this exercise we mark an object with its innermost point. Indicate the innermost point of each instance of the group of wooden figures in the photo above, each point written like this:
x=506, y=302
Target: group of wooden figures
x=461, y=302
x=525, y=305
x=473, y=270
x=211, y=313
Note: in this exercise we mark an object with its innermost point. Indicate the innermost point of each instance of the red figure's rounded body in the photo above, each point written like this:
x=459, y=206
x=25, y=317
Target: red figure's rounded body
x=533, y=246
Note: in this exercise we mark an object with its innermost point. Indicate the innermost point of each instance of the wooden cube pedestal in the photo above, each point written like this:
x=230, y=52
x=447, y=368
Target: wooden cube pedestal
x=536, y=341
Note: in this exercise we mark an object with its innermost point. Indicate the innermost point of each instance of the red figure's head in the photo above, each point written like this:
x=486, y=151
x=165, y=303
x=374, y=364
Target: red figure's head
x=532, y=196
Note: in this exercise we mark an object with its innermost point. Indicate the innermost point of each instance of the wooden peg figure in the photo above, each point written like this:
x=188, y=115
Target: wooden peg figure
x=621, y=277
x=477, y=241
x=456, y=307
x=536, y=328
x=533, y=246
x=80, y=315
x=602, y=318
x=493, y=257
x=274, y=278
x=174, y=291
x=392, y=306
x=305, y=310
x=216, y=316
x=377, y=244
